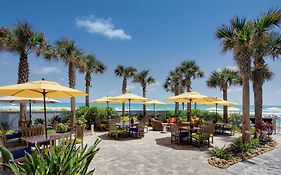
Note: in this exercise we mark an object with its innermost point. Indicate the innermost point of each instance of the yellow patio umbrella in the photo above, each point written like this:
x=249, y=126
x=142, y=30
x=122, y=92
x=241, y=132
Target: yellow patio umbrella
x=154, y=103
x=129, y=97
x=37, y=89
x=191, y=97
x=12, y=99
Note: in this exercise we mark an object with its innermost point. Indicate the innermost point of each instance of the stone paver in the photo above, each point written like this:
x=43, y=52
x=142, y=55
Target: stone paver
x=154, y=154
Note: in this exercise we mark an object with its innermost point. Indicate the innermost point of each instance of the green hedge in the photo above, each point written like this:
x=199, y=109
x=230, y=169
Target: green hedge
x=196, y=113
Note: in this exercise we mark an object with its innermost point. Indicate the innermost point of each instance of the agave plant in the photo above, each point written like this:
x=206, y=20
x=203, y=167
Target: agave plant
x=64, y=160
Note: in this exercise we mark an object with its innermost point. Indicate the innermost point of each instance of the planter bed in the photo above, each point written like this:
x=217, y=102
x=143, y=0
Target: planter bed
x=222, y=163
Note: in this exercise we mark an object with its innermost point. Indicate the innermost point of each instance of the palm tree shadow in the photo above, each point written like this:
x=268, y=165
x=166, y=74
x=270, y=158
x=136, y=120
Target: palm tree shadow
x=120, y=138
x=166, y=141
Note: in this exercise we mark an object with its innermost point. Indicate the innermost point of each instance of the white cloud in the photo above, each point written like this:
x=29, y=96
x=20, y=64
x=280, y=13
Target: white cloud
x=278, y=92
x=235, y=90
x=45, y=70
x=103, y=27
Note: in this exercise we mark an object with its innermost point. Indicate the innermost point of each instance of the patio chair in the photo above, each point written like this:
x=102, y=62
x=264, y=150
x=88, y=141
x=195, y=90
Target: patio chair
x=79, y=134
x=99, y=124
x=36, y=130
x=156, y=125
x=176, y=135
x=144, y=122
x=203, y=134
x=25, y=123
x=113, y=130
x=139, y=130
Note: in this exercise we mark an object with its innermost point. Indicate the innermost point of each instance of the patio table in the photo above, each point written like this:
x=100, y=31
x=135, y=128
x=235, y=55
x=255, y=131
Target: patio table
x=42, y=139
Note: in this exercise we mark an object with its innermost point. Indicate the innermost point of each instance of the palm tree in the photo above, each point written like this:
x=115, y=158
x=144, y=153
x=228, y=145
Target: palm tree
x=223, y=79
x=189, y=70
x=261, y=48
x=89, y=66
x=173, y=84
x=66, y=50
x=126, y=73
x=236, y=38
x=266, y=75
x=22, y=40
x=144, y=79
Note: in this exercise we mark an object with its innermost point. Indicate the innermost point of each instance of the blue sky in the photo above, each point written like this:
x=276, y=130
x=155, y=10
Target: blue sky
x=157, y=35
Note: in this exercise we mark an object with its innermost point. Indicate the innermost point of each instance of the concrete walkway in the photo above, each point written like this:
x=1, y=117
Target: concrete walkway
x=154, y=154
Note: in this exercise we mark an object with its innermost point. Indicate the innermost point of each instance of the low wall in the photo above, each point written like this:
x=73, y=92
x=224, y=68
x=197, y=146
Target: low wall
x=12, y=118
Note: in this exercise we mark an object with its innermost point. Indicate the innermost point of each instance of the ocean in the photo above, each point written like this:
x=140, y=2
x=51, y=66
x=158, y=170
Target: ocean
x=134, y=107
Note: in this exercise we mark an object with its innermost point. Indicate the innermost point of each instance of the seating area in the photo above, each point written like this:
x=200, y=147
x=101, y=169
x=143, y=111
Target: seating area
x=29, y=138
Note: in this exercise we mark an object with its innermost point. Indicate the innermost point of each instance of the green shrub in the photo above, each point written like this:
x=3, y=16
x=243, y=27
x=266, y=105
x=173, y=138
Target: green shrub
x=38, y=121
x=65, y=118
x=205, y=115
x=127, y=118
x=81, y=121
x=235, y=119
x=87, y=115
x=222, y=153
x=62, y=128
x=63, y=160
x=245, y=147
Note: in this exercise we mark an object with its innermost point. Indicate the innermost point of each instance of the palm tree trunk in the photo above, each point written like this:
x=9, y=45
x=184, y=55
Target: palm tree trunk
x=23, y=76
x=144, y=106
x=71, y=79
x=124, y=89
x=225, y=114
x=182, y=106
x=246, y=109
x=188, y=89
x=88, y=84
x=258, y=98
x=176, y=104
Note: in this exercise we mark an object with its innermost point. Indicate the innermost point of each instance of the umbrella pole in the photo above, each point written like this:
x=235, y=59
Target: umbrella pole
x=30, y=111
x=154, y=110
x=129, y=108
x=45, y=114
x=216, y=108
x=107, y=109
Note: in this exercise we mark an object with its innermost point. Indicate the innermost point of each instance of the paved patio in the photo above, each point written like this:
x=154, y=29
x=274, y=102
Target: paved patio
x=154, y=154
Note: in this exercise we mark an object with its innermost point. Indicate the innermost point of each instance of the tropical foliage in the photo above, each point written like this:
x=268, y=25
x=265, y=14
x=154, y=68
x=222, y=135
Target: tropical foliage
x=222, y=153
x=236, y=38
x=126, y=73
x=23, y=41
x=173, y=84
x=145, y=80
x=223, y=79
x=91, y=65
x=66, y=50
x=64, y=160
